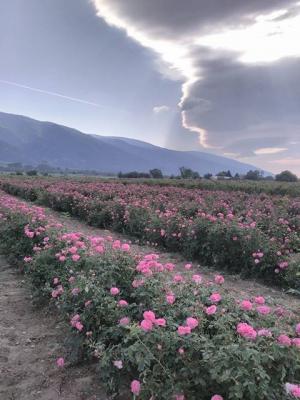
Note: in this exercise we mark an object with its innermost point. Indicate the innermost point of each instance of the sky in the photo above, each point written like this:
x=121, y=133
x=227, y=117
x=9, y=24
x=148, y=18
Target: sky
x=220, y=76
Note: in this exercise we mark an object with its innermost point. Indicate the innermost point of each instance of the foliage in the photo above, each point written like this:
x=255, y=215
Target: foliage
x=255, y=235
x=172, y=334
x=286, y=176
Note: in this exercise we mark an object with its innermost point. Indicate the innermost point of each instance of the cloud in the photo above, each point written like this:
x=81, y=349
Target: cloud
x=160, y=109
x=237, y=61
x=270, y=150
x=288, y=160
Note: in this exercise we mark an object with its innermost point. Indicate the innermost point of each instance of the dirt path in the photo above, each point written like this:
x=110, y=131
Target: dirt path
x=30, y=342
x=241, y=287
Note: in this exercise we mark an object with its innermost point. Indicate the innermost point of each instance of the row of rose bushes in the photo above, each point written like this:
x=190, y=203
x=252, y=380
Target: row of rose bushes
x=155, y=332
x=246, y=186
x=256, y=236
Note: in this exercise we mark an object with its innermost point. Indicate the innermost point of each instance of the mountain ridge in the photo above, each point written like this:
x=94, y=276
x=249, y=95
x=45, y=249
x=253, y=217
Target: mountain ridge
x=27, y=140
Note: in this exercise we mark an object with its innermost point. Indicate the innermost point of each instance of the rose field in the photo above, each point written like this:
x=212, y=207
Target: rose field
x=254, y=235
x=156, y=333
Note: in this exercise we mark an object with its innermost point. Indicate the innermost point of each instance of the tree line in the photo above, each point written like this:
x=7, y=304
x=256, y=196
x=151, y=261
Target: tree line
x=188, y=173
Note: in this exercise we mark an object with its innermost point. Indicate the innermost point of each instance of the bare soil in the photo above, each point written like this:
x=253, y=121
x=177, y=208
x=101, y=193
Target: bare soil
x=31, y=340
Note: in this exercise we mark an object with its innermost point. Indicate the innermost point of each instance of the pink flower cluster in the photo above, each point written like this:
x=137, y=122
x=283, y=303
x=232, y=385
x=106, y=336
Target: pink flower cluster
x=150, y=320
x=246, y=330
x=76, y=323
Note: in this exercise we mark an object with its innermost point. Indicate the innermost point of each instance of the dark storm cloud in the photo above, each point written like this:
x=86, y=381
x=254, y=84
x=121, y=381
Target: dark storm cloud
x=177, y=18
x=227, y=102
x=260, y=103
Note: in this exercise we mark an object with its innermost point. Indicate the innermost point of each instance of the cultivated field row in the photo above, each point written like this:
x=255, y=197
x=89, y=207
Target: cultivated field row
x=257, y=236
x=155, y=332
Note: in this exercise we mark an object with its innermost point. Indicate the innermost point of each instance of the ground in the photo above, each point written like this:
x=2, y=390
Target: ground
x=31, y=338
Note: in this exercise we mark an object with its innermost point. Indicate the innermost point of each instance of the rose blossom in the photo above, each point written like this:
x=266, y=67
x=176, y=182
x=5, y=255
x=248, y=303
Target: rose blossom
x=284, y=340
x=211, y=310
x=246, y=305
x=114, y=291
x=219, y=279
x=246, y=330
x=60, y=362
x=183, y=330
x=124, y=321
x=192, y=322
x=135, y=387
x=146, y=325
x=215, y=298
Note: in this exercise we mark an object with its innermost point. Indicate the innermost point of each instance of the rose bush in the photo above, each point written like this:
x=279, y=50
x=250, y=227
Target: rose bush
x=254, y=235
x=156, y=332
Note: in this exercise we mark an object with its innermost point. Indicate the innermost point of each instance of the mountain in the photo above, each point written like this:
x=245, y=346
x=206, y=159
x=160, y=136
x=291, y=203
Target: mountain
x=33, y=142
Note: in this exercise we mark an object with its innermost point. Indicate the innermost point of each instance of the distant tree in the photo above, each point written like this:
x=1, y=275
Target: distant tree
x=32, y=172
x=286, y=176
x=133, y=174
x=253, y=175
x=15, y=166
x=207, y=176
x=188, y=173
x=224, y=174
x=156, y=173
x=269, y=178
x=196, y=175
x=237, y=176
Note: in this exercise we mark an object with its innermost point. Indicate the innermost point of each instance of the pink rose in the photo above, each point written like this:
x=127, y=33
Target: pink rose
x=215, y=298
x=192, y=322
x=146, y=325
x=160, y=322
x=60, y=362
x=125, y=247
x=211, y=310
x=264, y=332
x=284, y=340
x=246, y=305
x=118, y=364
x=296, y=342
x=178, y=278
x=246, y=330
x=114, y=291
x=149, y=316
x=124, y=321
x=170, y=298
x=79, y=326
x=197, y=278
x=263, y=310
x=123, y=303
x=135, y=387
x=219, y=279
x=184, y=330
x=259, y=300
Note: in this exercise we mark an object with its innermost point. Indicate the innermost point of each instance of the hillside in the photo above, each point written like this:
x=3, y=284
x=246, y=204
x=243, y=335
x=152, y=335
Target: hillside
x=29, y=141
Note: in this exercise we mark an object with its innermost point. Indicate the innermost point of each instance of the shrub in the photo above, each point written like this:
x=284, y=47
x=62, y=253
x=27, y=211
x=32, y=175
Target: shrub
x=171, y=334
